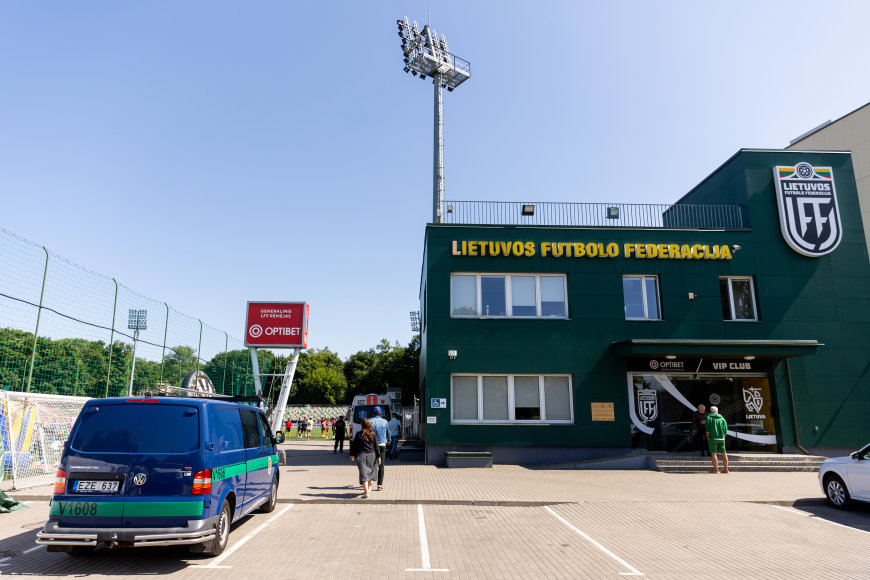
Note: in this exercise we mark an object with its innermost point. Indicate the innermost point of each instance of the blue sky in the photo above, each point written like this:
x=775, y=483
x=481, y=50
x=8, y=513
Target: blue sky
x=210, y=153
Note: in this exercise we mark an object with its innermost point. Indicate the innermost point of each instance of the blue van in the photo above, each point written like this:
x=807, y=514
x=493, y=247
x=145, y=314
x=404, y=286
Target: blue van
x=161, y=471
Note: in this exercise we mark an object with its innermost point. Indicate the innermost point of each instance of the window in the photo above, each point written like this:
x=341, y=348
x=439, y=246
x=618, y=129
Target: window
x=511, y=399
x=508, y=295
x=463, y=295
x=465, y=398
x=492, y=299
x=251, y=428
x=641, y=294
x=109, y=428
x=553, y=296
x=226, y=429
x=738, y=298
x=524, y=301
x=167, y=429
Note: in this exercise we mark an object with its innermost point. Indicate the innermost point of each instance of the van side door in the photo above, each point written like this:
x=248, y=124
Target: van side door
x=229, y=459
x=253, y=457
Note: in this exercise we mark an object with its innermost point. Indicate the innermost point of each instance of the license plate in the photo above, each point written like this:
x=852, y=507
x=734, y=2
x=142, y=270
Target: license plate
x=99, y=486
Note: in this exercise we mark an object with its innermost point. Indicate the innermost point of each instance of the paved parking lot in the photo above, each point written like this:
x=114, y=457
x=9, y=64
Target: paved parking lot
x=507, y=522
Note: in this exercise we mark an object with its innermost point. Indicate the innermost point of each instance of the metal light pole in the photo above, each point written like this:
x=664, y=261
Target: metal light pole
x=138, y=320
x=427, y=56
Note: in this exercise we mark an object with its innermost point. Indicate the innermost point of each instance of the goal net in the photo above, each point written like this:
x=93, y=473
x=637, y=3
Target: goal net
x=33, y=428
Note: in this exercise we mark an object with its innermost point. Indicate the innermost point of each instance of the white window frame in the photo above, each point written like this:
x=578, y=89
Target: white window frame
x=643, y=278
x=512, y=420
x=733, y=318
x=509, y=306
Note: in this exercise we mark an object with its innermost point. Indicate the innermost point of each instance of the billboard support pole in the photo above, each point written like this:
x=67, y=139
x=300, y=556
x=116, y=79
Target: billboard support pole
x=289, y=371
x=255, y=367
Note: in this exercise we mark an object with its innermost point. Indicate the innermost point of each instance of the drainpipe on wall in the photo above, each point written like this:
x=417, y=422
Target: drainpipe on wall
x=797, y=440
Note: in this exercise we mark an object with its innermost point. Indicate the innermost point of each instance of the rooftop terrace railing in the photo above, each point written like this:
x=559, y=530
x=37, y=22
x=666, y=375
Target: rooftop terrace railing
x=614, y=215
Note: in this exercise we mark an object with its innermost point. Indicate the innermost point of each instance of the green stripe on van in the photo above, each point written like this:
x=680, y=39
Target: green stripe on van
x=130, y=508
x=227, y=471
x=86, y=509
x=156, y=509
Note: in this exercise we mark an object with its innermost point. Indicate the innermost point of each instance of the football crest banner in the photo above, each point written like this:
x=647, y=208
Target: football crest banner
x=809, y=216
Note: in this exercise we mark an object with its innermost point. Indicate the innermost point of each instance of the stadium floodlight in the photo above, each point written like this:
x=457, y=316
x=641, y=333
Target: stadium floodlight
x=137, y=320
x=428, y=56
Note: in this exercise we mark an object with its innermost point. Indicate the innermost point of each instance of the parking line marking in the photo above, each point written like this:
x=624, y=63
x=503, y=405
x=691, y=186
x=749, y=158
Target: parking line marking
x=634, y=571
x=424, y=546
x=815, y=517
x=216, y=562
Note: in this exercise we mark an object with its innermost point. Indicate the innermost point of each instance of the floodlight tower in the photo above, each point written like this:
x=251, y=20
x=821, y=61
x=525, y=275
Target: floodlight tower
x=427, y=56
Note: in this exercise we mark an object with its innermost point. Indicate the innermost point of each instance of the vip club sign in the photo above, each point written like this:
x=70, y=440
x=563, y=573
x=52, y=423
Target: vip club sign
x=277, y=324
x=808, y=213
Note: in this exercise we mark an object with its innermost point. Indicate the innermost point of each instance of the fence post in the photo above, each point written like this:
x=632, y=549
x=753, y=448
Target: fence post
x=165, y=331
x=199, y=347
x=226, y=354
x=38, y=316
x=112, y=338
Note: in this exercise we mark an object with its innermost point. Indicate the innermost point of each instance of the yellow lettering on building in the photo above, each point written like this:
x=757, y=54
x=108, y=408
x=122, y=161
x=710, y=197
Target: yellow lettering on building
x=629, y=249
x=455, y=250
x=612, y=249
x=725, y=253
x=545, y=249
x=518, y=248
x=698, y=251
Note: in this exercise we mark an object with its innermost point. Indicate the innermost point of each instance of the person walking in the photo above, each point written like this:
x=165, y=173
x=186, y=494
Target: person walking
x=340, y=431
x=382, y=434
x=717, y=427
x=309, y=427
x=300, y=428
x=395, y=431
x=699, y=420
x=366, y=450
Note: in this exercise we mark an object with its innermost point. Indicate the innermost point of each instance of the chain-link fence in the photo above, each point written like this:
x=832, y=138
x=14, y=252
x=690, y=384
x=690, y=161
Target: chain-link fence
x=63, y=330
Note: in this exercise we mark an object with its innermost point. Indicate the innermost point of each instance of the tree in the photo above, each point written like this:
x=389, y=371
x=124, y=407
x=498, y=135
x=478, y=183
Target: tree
x=179, y=361
x=319, y=378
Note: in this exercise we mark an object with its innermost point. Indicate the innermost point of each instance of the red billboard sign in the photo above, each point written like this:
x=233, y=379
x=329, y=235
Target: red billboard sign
x=277, y=324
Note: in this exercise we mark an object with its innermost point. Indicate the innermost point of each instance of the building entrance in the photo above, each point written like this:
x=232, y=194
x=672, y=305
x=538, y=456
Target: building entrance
x=662, y=404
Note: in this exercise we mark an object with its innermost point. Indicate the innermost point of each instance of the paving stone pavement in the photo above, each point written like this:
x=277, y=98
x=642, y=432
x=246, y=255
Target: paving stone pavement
x=504, y=522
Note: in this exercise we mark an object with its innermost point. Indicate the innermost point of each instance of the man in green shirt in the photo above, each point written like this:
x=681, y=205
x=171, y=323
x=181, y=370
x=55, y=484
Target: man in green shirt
x=717, y=427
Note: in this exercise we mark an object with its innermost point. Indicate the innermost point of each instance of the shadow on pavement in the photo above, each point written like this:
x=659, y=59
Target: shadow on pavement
x=857, y=517
x=103, y=561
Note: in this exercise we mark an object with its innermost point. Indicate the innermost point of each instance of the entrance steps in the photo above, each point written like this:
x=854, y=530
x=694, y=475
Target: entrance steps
x=411, y=449
x=737, y=462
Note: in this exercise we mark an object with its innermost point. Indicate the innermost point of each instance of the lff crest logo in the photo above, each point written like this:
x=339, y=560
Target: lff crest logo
x=809, y=216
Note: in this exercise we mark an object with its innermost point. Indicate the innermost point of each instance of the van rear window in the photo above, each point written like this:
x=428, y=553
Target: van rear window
x=361, y=412
x=167, y=429
x=138, y=429
x=107, y=429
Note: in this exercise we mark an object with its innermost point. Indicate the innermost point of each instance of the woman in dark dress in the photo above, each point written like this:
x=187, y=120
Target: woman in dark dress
x=365, y=449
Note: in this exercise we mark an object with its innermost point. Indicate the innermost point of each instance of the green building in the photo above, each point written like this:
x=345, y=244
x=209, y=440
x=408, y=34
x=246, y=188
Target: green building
x=556, y=332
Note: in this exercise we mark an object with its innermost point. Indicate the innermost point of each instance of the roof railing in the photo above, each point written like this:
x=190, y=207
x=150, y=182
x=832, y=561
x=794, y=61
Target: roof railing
x=612, y=215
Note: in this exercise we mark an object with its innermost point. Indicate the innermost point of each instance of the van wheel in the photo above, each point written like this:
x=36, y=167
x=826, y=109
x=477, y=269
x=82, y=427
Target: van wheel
x=269, y=506
x=222, y=532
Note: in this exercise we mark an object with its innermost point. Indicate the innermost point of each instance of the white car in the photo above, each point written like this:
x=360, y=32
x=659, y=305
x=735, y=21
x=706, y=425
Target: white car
x=847, y=479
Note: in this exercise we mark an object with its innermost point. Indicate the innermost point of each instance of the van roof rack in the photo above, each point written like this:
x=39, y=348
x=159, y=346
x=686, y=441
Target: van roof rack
x=170, y=391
